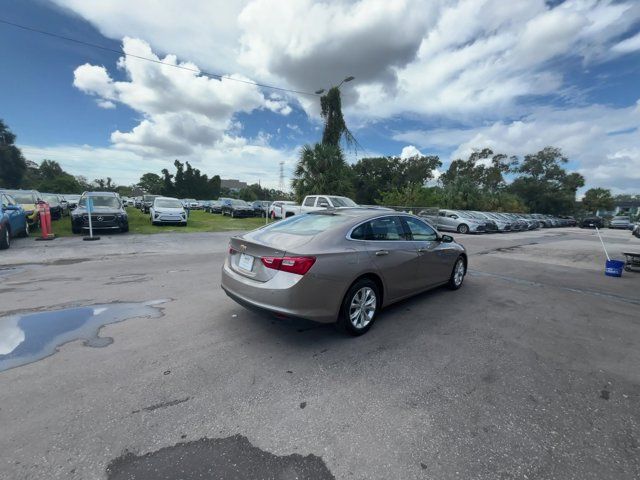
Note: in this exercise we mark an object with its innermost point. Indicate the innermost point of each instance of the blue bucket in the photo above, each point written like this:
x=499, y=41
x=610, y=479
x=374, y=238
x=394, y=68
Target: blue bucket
x=614, y=268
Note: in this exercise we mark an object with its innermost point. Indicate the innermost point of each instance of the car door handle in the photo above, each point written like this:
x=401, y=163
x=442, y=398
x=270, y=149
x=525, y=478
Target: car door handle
x=380, y=253
x=423, y=250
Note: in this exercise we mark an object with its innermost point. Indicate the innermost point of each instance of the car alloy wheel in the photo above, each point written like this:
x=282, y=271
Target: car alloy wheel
x=457, y=275
x=463, y=229
x=363, y=307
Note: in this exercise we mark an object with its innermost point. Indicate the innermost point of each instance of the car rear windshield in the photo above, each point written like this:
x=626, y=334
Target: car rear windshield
x=308, y=224
x=101, y=201
x=23, y=197
x=343, y=202
x=168, y=203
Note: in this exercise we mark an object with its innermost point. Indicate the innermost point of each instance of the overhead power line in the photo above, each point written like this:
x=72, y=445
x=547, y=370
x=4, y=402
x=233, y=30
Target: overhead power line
x=181, y=67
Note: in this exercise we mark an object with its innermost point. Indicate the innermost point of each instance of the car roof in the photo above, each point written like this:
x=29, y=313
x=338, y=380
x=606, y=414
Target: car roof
x=93, y=194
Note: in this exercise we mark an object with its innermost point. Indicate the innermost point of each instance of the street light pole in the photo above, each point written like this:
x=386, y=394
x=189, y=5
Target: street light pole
x=348, y=79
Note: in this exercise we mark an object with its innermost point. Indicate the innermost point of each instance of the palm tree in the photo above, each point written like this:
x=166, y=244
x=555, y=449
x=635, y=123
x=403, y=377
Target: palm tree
x=322, y=169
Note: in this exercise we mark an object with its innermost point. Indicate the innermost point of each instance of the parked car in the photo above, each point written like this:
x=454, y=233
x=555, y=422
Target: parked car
x=502, y=224
x=72, y=201
x=568, y=220
x=236, y=208
x=490, y=226
x=28, y=200
x=191, y=203
x=636, y=230
x=137, y=202
x=108, y=213
x=13, y=220
x=457, y=221
x=620, y=221
x=147, y=201
x=260, y=208
x=592, y=222
x=312, y=203
x=55, y=208
x=344, y=265
x=167, y=210
x=277, y=208
x=215, y=206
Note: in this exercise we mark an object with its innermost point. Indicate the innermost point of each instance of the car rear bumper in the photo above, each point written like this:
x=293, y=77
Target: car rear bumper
x=285, y=294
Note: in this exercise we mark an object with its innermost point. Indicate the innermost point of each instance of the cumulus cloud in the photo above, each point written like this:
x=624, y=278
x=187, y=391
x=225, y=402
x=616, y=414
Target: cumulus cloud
x=410, y=151
x=600, y=141
x=181, y=109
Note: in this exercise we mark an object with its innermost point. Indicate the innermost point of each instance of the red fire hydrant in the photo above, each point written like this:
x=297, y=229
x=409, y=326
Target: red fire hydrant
x=44, y=215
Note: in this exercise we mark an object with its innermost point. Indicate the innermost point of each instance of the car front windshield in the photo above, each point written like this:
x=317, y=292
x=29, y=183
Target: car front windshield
x=72, y=198
x=101, y=201
x=342, y=202
x=309, y=224
x=239, y=203
x=51, y=198
x=23, y=197
x=168, y=203
x=623, y=218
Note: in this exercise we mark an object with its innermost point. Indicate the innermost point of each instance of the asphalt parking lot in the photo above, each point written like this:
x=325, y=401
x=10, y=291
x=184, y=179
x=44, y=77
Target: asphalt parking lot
x=529, y=371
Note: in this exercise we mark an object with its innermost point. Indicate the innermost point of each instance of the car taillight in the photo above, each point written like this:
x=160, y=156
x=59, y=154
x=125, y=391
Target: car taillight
x=297, y=265
x=232, y=250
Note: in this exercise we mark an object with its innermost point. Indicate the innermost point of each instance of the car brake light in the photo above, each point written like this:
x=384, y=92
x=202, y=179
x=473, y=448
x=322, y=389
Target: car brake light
x=297, y=265
x=231, y=250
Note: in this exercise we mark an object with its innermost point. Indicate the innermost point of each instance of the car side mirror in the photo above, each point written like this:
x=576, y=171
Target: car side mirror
x=446, y=238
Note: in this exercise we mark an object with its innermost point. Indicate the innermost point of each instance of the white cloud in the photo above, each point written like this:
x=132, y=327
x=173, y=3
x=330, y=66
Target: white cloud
x=409, y=151
x=628, y=45
x=182, y=109
x=601, y=140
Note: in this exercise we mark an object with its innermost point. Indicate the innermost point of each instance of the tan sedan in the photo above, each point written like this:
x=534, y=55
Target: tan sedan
x=340, y=265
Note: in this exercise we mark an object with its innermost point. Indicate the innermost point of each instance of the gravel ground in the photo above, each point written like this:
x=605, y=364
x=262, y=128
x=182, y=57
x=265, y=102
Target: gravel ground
x=529, y=371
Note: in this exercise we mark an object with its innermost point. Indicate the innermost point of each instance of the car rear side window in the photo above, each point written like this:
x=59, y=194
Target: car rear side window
x=379, y=229
x=420, y=231
x=309, y=201
x=308, y=224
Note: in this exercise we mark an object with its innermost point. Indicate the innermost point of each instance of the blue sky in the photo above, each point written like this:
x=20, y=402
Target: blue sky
x=454, y=76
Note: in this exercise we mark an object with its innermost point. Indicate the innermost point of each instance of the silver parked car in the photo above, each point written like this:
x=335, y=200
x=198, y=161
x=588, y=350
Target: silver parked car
x=621, y=221
x=457, y=221
x=340, y=265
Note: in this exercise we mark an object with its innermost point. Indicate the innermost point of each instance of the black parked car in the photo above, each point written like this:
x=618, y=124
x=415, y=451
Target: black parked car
x=214, y=206
x=147, y=201
x=55, y=208
x=108, y=213
x=260, y=208
x=236, y=208
x=592, y=222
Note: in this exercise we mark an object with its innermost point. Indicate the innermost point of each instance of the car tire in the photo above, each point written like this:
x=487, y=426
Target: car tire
x=462, y=228
x=356, y=316
x=25, y=232
x=5, y=238
x=457, y=274
x=75, y=229
x=125, y=228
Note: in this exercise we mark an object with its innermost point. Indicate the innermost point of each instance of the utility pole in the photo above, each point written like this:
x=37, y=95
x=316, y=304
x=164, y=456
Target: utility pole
x=281, y=183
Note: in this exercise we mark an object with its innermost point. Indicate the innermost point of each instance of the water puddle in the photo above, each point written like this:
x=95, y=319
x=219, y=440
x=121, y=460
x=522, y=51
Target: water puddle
x=31, y=337
x=230, y=457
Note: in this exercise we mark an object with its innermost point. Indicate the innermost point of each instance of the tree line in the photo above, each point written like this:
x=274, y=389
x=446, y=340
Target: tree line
x=486, y=180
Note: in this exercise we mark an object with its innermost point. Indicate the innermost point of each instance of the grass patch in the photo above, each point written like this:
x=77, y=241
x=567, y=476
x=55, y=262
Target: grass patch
x=199, y=221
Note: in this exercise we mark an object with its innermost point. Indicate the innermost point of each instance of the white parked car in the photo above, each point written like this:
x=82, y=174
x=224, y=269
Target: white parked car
x=277, y=208
x=167, y=210
x=312, y=203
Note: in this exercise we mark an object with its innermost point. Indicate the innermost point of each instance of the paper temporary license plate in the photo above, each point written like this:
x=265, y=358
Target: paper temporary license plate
x=246, y=262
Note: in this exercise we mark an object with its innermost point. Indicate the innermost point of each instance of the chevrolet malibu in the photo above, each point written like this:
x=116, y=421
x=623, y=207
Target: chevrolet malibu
x=341, y=265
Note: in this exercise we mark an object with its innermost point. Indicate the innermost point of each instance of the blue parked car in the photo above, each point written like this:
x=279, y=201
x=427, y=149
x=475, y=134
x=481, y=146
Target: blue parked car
x=13, y=220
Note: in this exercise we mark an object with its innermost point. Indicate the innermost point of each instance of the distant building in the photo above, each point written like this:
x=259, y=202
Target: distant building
x=631, y=208
x=233, y=184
